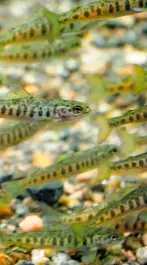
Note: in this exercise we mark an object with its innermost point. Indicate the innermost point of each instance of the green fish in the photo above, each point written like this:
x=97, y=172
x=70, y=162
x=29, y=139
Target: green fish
x=23, y=106
x=64, y=168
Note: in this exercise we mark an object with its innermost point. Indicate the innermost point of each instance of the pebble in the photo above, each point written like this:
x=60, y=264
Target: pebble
x=22, y=210
x=24, y=263
x=61, y=259
x=141, y=255
x=71, y=262
x=49, y=193
x=31, y=223
x=37, y=255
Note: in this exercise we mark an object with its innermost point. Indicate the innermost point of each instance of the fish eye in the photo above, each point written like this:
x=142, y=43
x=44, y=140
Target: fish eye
x=114, y=237
x=77, y=109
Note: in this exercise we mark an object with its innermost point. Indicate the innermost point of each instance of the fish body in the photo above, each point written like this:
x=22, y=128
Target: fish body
x=23, y=106
x=61, y=240
x=43, y=27
x=17, y=132
x=131, y=202
x=96, y=216
x=133, y=162
x=132, y=116
x=38, y=52
x=72, y=165
x=130, y=224
x=103, y=9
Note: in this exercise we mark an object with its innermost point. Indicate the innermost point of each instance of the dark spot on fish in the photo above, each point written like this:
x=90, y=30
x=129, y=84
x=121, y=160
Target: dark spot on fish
x=126, y=226
x=127, y=5
x=10, y=112
x=54, y=174
x=24, y=35
x=145, y=115
x=87, y=163
x=42, y=241
x=61, y=242
x=122, y=208
x=43, y=29
x=77, y=166
x=140, y=3
x=92, y=8
x=48, y=113
x=83, y=163
x=117, y=7
x=32, y=32
x=126, y=165
x=63, y=171
x=111, y=9
x=69, y=239
x=3, y=109
x=48, y=176
x=98, y=11
x=40, y=113
x=131, y=118
x=54, y=242
x=14, y=37
x=43, y=55
x=131, y=205
x=138, y=116
x=78, y=219
x=92, y=161
x=71, y=25
x=75, y=17
x=27, y=240
x=134, y=164
x=102, y=219
x=86, y=14
x=137, y=201
x=42, y=178
x=35, y=55
x=112, y=213
x=141, y=163
x=18, y=111
x=31, y=113
x=70, y=168
x=117, y=226
x=90, y=217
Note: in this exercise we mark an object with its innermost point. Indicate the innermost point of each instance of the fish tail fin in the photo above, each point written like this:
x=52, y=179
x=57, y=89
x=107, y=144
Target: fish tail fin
x=53, y=20
x=103, y=127
x=128, y=143
x=12, y=188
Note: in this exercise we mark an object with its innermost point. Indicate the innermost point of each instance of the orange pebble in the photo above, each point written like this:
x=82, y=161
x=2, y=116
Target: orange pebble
x=31, y=223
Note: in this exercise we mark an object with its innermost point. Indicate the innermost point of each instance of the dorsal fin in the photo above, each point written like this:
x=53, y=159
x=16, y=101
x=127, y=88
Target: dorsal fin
x=22, y=93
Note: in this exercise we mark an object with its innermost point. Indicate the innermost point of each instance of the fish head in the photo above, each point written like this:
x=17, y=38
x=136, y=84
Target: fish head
x=72, y=110
x=108, y=236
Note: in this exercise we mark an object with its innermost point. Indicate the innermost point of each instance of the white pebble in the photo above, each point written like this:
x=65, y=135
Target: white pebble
x=60, y=258
x=37, y=255
x=141, y=255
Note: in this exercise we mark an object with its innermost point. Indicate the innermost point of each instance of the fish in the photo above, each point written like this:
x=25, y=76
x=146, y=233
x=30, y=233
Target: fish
x=103, y=9
x=131, y=223
x=44, y=26
x=105, y=126
x=102, y=87
x=30, y=53
x=63, y=240
x=133, y=201
x=64, y=168
x=132, y=162
x=127, y=200
x=22, y=106
x=13, y=133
